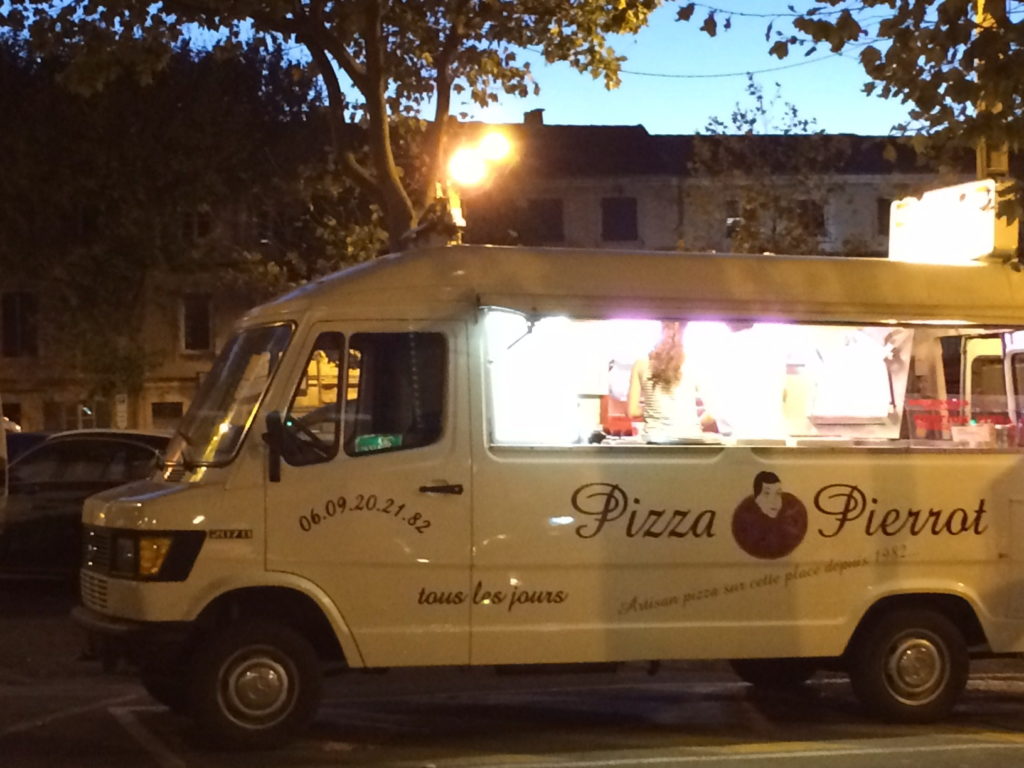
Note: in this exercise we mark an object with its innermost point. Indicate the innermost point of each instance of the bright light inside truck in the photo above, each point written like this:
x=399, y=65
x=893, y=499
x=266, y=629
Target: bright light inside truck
x=559, y=381
x=531, y=405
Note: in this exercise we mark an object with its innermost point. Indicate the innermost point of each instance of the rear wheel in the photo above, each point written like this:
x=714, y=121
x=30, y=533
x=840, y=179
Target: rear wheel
x=910, y=666
x=254, y=685
x=774, y=674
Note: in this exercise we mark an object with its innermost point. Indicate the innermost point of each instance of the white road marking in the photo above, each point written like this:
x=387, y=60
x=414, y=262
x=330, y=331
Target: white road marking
x=146, y=738
x=39, y=722
x=744, y=756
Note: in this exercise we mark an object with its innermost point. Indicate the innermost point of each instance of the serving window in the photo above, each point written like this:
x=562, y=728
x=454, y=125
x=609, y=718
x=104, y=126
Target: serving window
x=562, y=381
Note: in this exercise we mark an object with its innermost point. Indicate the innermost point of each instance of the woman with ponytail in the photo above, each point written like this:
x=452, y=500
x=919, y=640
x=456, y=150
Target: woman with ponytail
x=662, y=395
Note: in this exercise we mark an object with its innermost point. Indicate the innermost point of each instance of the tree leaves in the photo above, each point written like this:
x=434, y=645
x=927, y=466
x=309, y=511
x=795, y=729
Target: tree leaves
x=710, y=25
x=870, y=56
x=768, y=167
x=103, y=192
x=378, y=61
x=932, y=54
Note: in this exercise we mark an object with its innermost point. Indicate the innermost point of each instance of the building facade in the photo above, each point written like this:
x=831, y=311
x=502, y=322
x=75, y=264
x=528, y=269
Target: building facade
x=569, y=186
x=619, y=186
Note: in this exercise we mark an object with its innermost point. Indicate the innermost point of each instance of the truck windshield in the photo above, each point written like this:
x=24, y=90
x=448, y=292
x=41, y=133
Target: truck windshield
x=219, y=417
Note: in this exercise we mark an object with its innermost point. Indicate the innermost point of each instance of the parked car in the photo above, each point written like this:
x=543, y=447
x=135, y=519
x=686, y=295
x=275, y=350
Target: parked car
x=41, y=530
x=21, y=442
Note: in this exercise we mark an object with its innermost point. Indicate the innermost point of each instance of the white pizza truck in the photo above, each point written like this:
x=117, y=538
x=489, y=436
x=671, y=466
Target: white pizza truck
x=423, y=461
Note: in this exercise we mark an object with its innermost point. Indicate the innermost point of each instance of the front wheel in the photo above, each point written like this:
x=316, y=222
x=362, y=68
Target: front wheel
x=910, y=666
x=254, y=685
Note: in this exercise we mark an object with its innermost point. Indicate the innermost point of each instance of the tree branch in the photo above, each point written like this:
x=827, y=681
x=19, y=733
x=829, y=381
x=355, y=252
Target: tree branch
x=437, y=133
x=399, y=212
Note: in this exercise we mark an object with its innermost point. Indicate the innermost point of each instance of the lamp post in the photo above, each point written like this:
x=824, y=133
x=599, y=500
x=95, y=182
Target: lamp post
x=471, y=165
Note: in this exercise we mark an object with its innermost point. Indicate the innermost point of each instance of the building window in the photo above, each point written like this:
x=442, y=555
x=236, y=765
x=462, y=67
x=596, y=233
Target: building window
x=196, y=225
x=544, y=222
x=20, y=312
x=196, y=327
x=92, y=414
x=166, y=415
x=618, y=219
x=812, y=216
x=263, y=225
x=884, y=205
x=733, y=220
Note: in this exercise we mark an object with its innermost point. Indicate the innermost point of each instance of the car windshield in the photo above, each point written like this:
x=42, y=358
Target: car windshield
x=219, y=417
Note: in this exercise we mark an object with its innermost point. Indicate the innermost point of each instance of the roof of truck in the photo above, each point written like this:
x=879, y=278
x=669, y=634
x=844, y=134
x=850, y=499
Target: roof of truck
x=450, y=281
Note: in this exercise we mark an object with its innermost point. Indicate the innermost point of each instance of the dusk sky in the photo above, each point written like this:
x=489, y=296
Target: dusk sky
x=824, y=86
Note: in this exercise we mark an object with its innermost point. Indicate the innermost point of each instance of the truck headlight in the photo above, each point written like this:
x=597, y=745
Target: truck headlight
x=152, y=553
x=148, y=556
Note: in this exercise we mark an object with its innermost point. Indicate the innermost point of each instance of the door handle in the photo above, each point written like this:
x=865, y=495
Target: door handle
x=443, y=488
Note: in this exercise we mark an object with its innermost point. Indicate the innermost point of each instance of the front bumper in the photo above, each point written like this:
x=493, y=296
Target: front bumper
x=140, y=642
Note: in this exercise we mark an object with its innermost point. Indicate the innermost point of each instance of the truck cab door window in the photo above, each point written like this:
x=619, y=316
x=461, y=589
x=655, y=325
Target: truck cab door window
x=312, y=424
x=394, y=392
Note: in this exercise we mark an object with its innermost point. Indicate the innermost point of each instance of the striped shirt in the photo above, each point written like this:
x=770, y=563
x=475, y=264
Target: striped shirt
x=669, y=414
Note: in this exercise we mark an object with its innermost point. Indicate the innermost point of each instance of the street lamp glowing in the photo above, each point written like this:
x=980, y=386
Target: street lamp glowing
x=470, y=165
x=467, y=166
x=495, y=147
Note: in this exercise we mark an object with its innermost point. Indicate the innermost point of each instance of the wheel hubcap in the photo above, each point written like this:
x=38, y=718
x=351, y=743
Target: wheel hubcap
x=258, y=690
x=916, y=670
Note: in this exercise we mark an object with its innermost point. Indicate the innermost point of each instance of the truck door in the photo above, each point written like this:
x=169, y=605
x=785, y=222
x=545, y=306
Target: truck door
x=1013, y=345
x=373, y=499
x=984, y=380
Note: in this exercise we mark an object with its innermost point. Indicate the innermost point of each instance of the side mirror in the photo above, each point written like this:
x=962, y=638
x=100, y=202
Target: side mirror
x=274, y=438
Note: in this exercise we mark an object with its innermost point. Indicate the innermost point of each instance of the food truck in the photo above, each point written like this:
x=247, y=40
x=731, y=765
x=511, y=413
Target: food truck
x=424, y=460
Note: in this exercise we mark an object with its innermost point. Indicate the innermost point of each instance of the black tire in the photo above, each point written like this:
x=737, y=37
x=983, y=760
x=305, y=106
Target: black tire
x=167, y=686
x=774, y=674
x=910, y=666
x=254, y=685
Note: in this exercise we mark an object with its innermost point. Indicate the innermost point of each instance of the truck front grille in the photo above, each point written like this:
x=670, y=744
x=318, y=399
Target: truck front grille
x=94, y=590
x=97, y=546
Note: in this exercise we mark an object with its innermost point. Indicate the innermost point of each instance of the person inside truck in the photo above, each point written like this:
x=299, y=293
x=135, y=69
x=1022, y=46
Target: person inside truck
x=663, y=396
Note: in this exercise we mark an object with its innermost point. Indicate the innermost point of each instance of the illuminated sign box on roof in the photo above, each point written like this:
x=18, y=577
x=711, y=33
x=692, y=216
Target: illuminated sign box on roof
x=951, y=225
